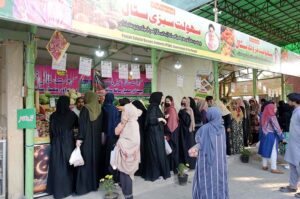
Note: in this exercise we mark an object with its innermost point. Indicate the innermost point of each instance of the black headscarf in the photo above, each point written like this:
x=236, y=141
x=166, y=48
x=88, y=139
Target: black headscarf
x=155, y=98
x=139, y=105
x=63, y=105
x=197, y=113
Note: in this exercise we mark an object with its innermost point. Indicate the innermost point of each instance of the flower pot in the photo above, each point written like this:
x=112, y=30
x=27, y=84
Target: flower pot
x=245, y=158
x=111, y=196
x=183, y=179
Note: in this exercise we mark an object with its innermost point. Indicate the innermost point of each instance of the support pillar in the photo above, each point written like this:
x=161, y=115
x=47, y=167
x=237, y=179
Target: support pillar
x=283, y=88
x=29, y=133
x=254, y=81
x=216, y=80
x=154, y=63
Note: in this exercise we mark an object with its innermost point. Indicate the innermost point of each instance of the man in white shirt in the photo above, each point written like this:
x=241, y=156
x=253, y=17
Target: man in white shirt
x=78, y=105
x=292, y=155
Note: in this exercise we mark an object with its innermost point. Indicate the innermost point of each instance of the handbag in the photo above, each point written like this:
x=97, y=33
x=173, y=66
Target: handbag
x=113, y=159
x=168, y=148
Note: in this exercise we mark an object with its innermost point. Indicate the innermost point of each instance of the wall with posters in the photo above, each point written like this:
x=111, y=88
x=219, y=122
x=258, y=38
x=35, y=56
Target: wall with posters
x=182, y=82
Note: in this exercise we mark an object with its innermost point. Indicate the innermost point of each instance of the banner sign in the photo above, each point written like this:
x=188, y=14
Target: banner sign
x=150, y=23
x=58, y=82
x=26, y=118
x=128, y=87
x=290, y=63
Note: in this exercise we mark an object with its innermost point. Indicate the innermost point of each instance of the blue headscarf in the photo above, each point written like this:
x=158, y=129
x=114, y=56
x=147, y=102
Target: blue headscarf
x=206, y=134
x=111, y=115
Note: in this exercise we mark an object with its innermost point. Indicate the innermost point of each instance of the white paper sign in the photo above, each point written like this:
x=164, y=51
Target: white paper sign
x=123, y=71
x=85, y=66
x=52, y=102
x=264, y=89
x=149, y=71
x=232, y=87
x=106, y=69
x=135, y=71
x=180, y=80
x=260, y=85
x=245, y=89
x=198, y=83
x=269, y=92
x=61, y=65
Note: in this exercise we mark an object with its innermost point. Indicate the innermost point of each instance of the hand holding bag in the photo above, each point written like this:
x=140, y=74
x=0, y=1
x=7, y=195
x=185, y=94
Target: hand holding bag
x=168, y=148
x=76, y=158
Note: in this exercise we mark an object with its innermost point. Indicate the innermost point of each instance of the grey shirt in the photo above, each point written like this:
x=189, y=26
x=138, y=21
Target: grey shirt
x=292, y=154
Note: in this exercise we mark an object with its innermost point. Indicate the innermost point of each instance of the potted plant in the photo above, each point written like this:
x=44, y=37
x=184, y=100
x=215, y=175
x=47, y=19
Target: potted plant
x=245, y=155
x=182, y=173
x=109, y=186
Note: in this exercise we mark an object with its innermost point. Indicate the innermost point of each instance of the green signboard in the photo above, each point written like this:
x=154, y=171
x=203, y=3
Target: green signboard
x=26, y=118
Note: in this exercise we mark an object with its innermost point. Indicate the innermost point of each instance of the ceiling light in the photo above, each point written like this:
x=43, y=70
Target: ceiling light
x=130, y=73
x=100, y=53
x=136, y=59
x=177, y=65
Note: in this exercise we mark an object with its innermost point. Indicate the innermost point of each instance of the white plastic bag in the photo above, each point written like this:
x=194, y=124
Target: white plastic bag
x=168, y=148
x=76, y=158
x=113, y=159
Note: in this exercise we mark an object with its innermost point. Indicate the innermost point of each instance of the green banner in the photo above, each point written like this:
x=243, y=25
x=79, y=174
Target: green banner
x=149, y=23
x=26, y=118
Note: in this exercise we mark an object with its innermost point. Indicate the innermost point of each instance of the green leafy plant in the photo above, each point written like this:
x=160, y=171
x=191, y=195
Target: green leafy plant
x=245, y=152
x=182, y=169
x=108, y=184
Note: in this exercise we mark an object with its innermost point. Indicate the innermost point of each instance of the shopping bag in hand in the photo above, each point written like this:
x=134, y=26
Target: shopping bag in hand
x=76, y=158
x=168, y=148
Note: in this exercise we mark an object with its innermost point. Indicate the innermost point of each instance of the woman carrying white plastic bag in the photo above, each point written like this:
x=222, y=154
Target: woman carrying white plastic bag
x=127, y=150
x=61, y=174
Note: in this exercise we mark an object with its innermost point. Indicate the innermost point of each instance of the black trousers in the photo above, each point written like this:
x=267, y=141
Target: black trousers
x=126, y=185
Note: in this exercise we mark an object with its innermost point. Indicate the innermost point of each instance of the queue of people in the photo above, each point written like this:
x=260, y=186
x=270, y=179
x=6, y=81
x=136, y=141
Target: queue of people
x=201, y=134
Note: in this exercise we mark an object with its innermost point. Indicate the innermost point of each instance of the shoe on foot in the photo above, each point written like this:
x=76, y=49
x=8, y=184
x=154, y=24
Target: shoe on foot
x=265, y=168
x=287, y=189
x=277, y=171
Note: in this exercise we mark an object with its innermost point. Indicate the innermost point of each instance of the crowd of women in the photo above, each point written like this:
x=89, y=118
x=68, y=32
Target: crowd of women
x=138, y=136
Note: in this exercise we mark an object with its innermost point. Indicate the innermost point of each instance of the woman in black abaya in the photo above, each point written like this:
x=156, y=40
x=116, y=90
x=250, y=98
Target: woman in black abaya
x=61, y=175
x=142, y=119
x=89, y=140
x=156, y=162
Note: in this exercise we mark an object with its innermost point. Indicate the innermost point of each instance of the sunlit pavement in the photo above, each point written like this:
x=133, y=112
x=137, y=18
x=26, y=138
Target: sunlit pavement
x=246, y=181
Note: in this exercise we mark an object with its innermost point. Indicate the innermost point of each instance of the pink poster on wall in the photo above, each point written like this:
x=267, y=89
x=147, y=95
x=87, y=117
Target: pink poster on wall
x=58, y=82
x=128, y=87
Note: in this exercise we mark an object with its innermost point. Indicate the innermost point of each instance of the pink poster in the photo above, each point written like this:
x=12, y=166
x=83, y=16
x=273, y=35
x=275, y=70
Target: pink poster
x=58, y=82
x=130, y=87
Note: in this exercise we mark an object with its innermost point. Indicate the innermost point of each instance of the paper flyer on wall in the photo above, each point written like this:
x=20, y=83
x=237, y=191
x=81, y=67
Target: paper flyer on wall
x=85, y=66
x=61, y=65
x=180, y=79
x=106, y=69
x=149, y=71
x=123, y=71
x=135, y=71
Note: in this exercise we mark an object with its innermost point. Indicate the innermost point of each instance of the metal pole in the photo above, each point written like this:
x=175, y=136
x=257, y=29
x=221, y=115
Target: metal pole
x=154, y=63
x=254, y=81
x=215, y=64
x=283, y=88
x=29, y=133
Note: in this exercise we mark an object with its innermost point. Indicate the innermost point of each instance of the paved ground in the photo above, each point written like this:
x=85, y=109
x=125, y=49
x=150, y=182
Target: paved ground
x=247, y=181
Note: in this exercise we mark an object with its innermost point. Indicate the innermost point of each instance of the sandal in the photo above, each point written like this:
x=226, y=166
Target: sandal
x=288, y=189
x=277, y=171
x=297, y=195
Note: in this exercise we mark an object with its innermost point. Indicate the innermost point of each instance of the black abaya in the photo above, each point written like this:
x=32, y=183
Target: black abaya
x=60, y=181
x=173, y=142
x=156, y=162
x=141, y=121
x=90, y=133
x=184, y=136
x=227, y=125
